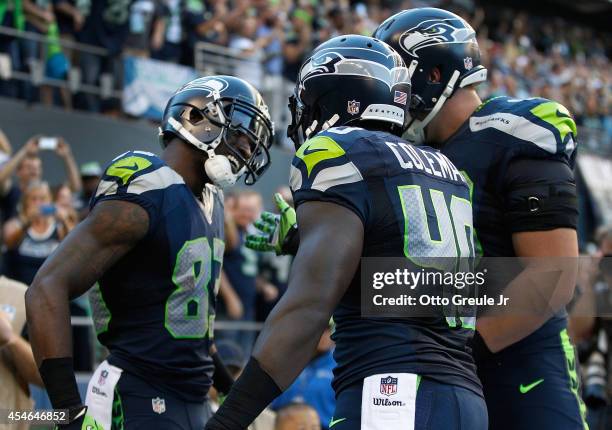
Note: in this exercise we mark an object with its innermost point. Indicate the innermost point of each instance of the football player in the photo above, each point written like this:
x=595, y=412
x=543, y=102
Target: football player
x=153, y=246
x=353, y=191
x=519, y=156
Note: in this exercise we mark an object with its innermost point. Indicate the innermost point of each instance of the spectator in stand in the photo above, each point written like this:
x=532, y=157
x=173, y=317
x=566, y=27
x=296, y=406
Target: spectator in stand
x=297, y=416
x=70, y=16
x=145, y=17
x=297, y=43
x=17, y=365
x=27, y=167
x=313, y=385
x=207, y=24
x=169, y=32
x=240, y=266
x=269, y=36
x=338, y=21
x=11, y=16
x=34, y=233
x=39, y=19
x=64, y=203
x=106, y=26
x=229, y=303
x=250, y=51
x=91, y=173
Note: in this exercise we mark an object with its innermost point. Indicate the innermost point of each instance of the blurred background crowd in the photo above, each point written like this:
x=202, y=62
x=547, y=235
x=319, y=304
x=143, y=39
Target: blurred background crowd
x=74, y=55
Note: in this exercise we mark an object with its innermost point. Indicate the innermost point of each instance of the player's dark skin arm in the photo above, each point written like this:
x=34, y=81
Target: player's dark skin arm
x=320, y=275
x=108, y=233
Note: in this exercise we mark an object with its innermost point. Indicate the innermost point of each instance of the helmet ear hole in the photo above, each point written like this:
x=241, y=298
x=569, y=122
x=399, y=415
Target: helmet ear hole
x=435, y=75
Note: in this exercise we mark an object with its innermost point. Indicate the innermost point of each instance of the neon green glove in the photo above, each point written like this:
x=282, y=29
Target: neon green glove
x=278, y=230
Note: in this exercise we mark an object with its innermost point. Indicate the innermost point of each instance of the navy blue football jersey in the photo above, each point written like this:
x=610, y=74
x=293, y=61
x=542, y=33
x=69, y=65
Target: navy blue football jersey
x=501, y=132
x=154, y=308
x=386, y=182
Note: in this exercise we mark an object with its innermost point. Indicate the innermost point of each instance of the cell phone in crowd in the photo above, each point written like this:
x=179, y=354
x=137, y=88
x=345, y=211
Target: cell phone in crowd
x=47, y=143
x=47, y=210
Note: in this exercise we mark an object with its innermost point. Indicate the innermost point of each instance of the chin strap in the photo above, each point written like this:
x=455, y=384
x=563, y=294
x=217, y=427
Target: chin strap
x=330, y=122
x=219, y=170
x=327, y=124
x=416, y=130
x=310, y=129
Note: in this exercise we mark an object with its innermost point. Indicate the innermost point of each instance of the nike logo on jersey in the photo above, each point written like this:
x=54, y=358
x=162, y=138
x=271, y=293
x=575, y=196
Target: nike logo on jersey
x=317, y=149
x=133, y=167
x=309, y=151
x=333, y=422
x=124, y=168
x=526, y=388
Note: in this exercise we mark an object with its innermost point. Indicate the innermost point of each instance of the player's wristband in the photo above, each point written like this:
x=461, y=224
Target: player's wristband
x=222, y=379
x=61, y=385
x=250, y=395
x=291, y=242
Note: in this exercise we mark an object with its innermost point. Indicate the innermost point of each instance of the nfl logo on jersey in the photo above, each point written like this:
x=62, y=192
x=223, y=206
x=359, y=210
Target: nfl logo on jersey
x=388, y=386
x=353, y=107
x=102, y=378
x=159, y=405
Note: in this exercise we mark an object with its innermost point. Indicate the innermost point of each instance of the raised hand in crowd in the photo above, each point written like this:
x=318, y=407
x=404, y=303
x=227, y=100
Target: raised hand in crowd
x=64, y=151
x=29, y=149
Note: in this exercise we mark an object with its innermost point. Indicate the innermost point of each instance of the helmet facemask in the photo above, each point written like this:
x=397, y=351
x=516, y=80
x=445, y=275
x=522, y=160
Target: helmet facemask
x=305, y=121
x=230, y=118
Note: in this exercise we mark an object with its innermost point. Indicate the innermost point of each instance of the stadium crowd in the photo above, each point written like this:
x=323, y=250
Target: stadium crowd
x=526, y=56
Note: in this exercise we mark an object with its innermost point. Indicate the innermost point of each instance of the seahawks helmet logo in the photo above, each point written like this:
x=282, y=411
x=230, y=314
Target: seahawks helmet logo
x=387, y=68
x=323, y=63
x=211, y=85
x=436, y=32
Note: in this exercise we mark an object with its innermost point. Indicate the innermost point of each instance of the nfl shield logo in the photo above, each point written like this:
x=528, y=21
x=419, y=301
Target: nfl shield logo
x=159, y=405
x=388, y=386
x=353, y=107
x=102, y=378
x=467, y=63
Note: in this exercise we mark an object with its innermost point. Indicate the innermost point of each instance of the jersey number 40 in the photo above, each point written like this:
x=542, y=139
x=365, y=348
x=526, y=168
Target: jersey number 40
x=453, y=250
x=455, y=228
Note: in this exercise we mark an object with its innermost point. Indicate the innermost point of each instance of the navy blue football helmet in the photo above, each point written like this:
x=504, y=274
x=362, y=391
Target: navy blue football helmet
x=346, y=81
x=427, y=38
x=213, y=113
